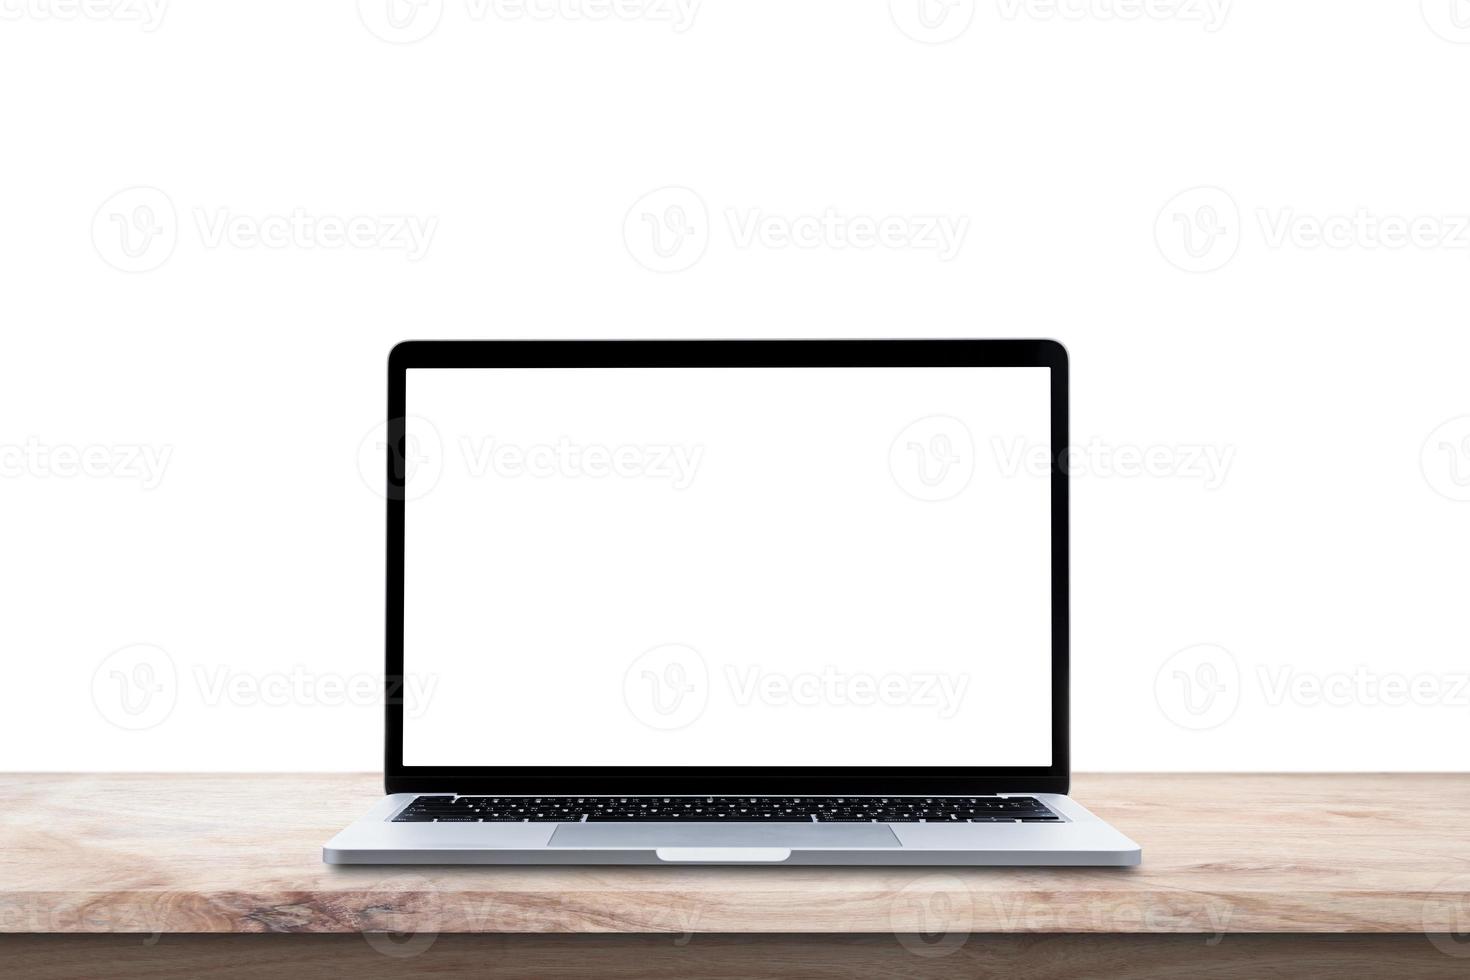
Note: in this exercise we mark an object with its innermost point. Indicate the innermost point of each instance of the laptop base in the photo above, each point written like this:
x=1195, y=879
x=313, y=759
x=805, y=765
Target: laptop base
x=1081, y=840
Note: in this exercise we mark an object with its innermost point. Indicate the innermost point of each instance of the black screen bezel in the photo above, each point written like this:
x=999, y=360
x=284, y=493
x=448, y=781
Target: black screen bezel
x=731, y=780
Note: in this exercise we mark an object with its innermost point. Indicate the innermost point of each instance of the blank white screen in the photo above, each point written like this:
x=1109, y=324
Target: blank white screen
x=710, y=567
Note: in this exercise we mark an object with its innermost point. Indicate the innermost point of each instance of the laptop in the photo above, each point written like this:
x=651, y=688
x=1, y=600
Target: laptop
x=755, y=602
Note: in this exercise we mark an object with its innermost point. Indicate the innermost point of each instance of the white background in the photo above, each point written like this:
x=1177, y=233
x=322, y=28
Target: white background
x=1328, y=549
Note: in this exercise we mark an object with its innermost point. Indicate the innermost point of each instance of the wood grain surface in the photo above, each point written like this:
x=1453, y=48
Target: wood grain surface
x=140, y=853
x=612, y=957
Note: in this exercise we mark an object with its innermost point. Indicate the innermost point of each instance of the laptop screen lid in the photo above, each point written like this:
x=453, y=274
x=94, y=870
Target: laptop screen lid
x=727, y=567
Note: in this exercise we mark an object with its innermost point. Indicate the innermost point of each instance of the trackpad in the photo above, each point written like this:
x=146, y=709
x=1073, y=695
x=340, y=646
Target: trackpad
x=672, y=835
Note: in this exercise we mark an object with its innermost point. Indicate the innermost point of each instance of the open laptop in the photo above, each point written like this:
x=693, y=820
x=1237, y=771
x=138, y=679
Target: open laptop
x=727, y=602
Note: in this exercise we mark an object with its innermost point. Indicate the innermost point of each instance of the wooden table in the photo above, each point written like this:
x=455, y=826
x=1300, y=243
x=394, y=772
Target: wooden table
x=182, y=875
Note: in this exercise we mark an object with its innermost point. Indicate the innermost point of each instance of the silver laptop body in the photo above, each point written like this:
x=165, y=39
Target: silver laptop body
x=727, y=602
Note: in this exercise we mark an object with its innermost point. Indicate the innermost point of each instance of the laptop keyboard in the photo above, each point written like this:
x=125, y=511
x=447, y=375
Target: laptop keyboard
x=728, y=809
